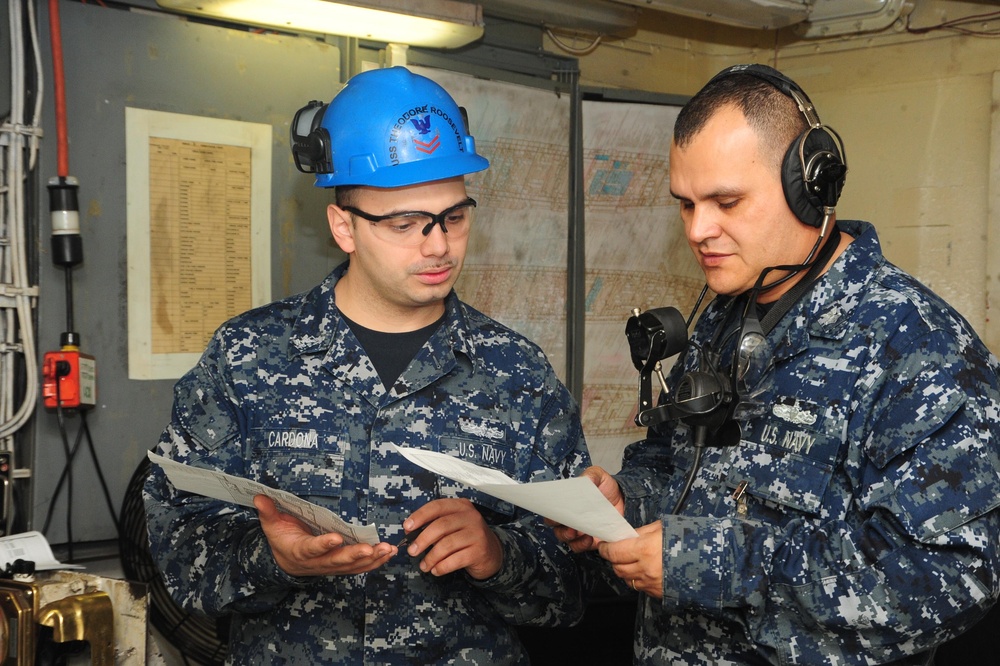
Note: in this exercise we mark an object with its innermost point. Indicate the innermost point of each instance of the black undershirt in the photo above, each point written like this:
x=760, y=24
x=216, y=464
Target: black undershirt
x=764, y=308
x=392, y=352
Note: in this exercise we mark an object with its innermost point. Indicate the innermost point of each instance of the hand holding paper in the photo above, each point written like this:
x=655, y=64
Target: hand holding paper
x=576, y=503
x=237, y=490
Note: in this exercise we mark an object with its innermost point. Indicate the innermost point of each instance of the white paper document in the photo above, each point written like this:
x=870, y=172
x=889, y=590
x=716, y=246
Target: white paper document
x=229, y=488
x=576, y=503
x=31, y=547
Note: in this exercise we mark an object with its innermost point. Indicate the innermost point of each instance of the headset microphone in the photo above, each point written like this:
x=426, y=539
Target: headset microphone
x=653, y=336
x=702, y=398
x=714, y=397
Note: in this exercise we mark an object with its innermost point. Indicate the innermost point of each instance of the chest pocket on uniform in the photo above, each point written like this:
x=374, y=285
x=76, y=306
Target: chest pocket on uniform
x=787, y=459
x=304, y=462
x=777, y=476
x=491, y=454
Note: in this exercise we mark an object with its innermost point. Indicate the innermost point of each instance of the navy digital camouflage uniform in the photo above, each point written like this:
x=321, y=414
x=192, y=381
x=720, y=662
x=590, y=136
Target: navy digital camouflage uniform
x=286, y=396
x=868, y=530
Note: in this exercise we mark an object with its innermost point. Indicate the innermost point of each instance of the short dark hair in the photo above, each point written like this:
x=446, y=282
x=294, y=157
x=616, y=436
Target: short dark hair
x=344, y=195
x=773, y=115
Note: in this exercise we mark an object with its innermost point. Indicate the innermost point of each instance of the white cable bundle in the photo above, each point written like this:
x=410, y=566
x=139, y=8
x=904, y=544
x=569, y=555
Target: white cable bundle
x=17, y=296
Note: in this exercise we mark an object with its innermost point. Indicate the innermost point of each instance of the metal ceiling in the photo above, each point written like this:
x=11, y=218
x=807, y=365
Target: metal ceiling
x=621, y=18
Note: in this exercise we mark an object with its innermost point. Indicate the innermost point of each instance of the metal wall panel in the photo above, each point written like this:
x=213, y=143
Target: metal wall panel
x=114, y=59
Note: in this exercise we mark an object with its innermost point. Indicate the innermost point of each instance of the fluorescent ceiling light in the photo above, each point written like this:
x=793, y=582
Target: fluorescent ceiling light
x=587, y=16
x=435, y=23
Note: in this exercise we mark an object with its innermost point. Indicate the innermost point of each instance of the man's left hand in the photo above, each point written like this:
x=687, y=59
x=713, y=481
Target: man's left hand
x=457, y=538
x=638, y=561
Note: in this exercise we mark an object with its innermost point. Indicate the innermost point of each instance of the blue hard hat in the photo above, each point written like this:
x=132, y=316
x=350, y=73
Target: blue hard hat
x=385, y=128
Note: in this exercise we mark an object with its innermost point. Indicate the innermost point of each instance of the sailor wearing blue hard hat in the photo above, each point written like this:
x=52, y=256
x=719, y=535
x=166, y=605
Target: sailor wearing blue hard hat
x=395, y=146
x=310, y=394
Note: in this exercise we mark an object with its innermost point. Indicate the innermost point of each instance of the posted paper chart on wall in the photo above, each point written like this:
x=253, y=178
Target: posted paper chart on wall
x=198, y=233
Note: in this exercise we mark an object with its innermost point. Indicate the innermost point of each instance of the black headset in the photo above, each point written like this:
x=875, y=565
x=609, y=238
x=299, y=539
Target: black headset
x=310, y=141
x=815, y=166
x=812, y=177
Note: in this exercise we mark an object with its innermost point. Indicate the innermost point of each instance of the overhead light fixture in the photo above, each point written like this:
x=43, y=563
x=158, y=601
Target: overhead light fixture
x=853, y=16
x=433, y=23
x=587, y=16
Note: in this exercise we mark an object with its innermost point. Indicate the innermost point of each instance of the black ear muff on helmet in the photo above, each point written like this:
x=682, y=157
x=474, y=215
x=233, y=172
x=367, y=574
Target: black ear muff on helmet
x=815, y=166
x=310, y=141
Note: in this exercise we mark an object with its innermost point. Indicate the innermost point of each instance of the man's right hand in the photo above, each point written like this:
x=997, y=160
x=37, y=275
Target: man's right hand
x=576, y=540
x=299, y=553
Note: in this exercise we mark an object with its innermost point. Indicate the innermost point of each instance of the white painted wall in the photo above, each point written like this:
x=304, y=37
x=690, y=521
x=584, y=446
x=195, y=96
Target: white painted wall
x=915, y=112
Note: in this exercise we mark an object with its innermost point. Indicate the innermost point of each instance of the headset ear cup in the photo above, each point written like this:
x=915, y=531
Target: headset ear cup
x=310, y=142
x=807, y=194
x=319, y=147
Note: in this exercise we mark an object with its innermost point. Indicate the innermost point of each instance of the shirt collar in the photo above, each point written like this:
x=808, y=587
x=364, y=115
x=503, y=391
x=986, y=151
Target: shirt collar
x=828, y=307
x=320, y=322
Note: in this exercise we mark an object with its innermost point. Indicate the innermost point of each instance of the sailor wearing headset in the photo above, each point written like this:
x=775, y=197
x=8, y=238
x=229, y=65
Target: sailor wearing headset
x=820, y=481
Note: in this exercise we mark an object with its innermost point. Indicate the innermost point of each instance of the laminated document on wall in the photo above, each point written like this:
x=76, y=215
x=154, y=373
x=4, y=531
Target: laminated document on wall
x=199, y=203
